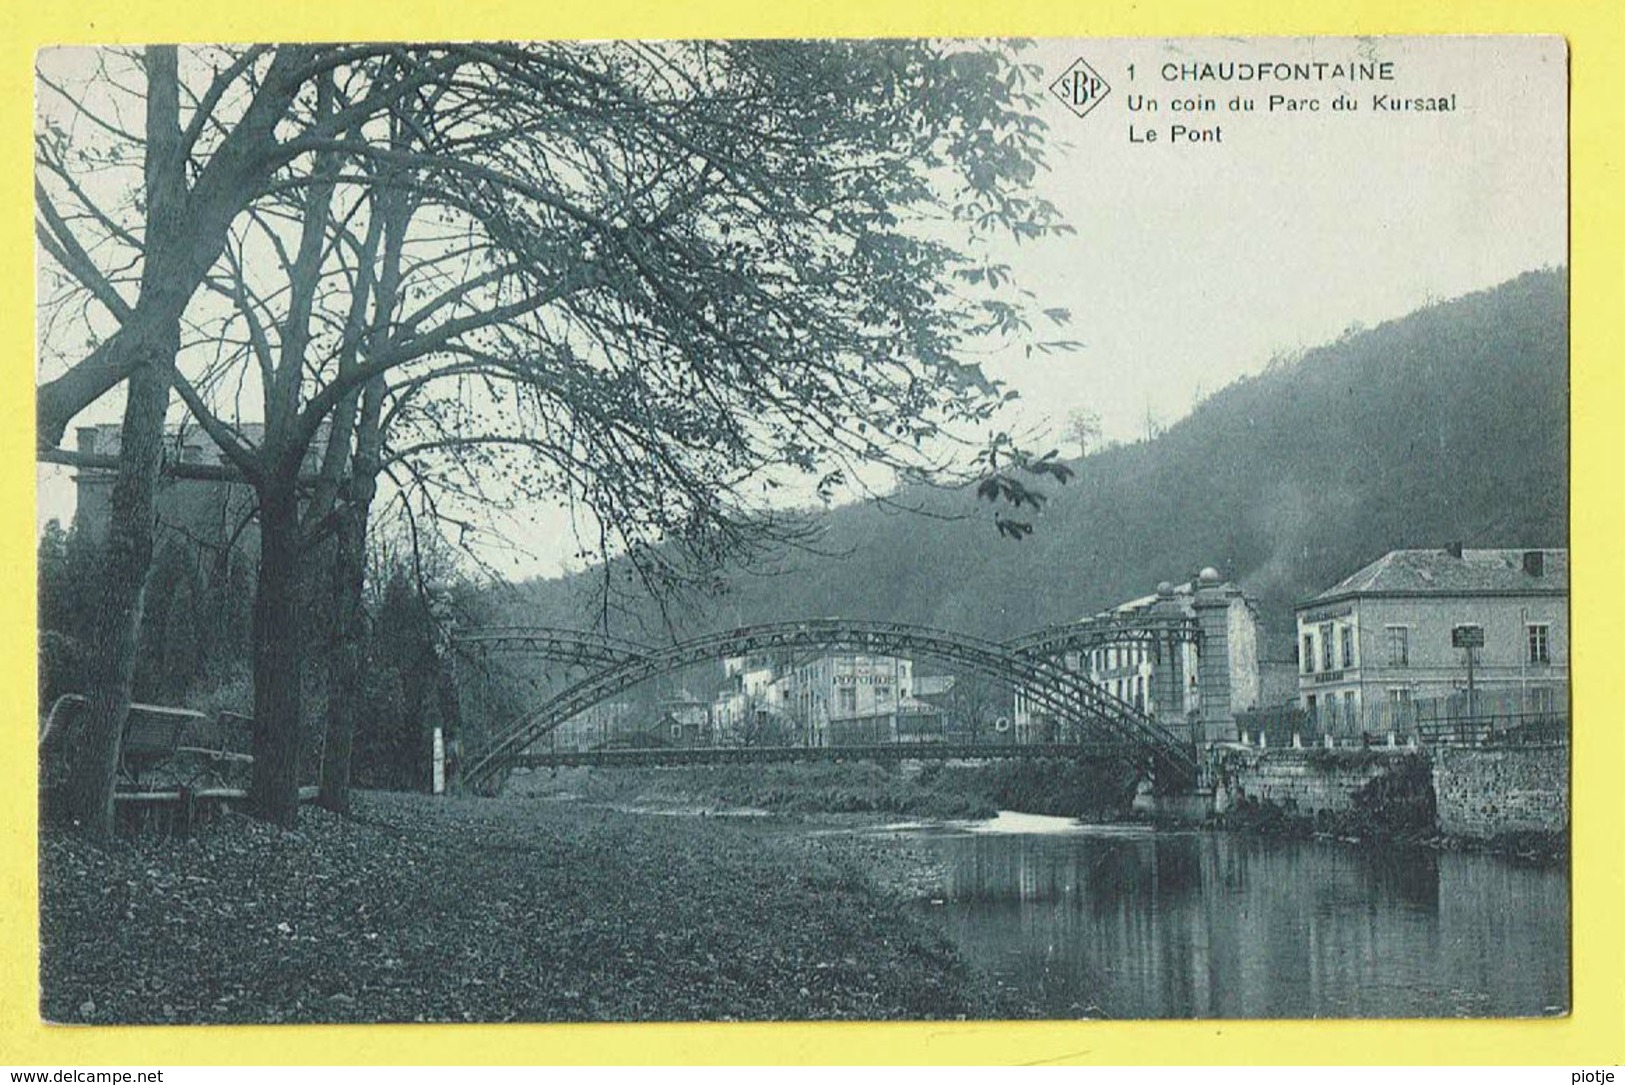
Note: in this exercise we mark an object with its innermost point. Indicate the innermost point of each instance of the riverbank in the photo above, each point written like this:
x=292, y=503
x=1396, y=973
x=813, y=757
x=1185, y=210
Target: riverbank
x=1396, y=807
x=421, y=909
x=932, y=790
x=817, y=788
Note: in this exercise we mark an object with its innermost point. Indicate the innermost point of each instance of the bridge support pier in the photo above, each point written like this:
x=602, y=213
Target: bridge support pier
x=1212, y=605
x=1188, y=806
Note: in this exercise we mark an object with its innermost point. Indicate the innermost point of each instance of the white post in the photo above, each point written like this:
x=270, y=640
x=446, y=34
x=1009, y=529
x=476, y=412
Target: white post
x=439, y=762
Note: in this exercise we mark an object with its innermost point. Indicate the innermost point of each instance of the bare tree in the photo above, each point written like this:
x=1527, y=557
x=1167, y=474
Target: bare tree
x=976, y=703
x=644, y=279
x=209, y=145
x=1083, y=428
x=94, y=759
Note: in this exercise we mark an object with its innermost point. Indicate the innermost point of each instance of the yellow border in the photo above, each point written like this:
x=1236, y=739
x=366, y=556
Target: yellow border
x=1592, y=1035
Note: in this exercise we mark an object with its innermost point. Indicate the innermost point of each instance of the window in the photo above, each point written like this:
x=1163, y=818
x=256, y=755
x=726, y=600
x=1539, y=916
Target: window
x=1541, y=699
x=1399, y=695
x=1399, y=645
x=1326, y=647
x=1540, y=644
x=1348, y=646
x=1348, y=709
x=846, y=699
x=1309, y=704
x=1308, y=654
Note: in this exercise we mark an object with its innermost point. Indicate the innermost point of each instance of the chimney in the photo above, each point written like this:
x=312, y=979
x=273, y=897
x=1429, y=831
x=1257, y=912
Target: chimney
x=1453, y=549
x=1534, y=562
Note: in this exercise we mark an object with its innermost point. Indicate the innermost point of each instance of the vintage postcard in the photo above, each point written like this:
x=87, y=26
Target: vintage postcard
x=789, y=530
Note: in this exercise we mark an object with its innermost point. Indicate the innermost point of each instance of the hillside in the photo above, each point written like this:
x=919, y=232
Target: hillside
x=1448, y=424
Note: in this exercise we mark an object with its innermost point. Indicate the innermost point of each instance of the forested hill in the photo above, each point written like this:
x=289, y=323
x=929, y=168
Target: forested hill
x=1448, y=424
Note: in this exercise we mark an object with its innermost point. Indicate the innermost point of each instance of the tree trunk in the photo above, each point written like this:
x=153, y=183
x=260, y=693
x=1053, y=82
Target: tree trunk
x=94, y=759
x=344, y=666
x=273, y=793
x=93, y=771
x=350, y=567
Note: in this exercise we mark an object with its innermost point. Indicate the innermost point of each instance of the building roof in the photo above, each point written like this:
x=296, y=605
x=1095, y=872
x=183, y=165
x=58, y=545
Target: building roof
x=1443, y=572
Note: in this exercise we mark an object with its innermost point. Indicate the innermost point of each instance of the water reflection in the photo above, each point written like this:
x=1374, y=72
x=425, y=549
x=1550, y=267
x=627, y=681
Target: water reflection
x=1215, y=925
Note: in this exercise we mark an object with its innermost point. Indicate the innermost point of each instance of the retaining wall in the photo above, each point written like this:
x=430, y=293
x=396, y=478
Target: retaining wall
x=1301, y=781
x=1485, y=793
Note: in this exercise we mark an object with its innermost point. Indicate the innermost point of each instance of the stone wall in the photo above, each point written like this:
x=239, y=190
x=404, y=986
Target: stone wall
x=1485, y=793
x=1303, y=781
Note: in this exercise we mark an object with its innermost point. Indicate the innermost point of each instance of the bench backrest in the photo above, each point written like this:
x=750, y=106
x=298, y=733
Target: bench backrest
x=153, y=729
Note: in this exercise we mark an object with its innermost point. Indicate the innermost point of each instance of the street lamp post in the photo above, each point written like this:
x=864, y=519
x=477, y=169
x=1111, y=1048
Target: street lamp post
x=1470, y=638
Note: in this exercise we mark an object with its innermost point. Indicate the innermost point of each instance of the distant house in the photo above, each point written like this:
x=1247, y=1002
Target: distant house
x=204, y=514
x=685, y=720
x=607, y=723
x=744, y=711
x=191, y=513
x=845, y=699
x=1375, y=646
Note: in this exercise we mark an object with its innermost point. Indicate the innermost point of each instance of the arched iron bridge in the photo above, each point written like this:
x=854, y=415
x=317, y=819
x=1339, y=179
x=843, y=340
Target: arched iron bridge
x=1091, y=718
x=588, y=648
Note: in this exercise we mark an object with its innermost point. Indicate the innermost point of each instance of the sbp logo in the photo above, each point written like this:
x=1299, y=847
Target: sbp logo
x=1080, y=88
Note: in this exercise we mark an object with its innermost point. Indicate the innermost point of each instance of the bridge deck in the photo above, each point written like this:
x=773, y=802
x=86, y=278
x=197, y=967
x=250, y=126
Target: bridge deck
x=890, y=751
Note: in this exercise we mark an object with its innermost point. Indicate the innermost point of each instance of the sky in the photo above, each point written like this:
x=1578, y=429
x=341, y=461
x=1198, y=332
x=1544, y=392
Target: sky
x=1196, y=263
x=1197, y=260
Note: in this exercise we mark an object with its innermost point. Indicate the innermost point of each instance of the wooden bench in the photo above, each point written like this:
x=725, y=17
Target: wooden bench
x=62, y=720
x=152, y=738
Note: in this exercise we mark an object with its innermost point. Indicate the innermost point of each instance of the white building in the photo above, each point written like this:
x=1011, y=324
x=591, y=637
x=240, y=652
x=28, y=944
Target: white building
x=1382, y=644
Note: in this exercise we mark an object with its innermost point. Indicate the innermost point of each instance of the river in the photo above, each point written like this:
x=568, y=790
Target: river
x=1127, y=922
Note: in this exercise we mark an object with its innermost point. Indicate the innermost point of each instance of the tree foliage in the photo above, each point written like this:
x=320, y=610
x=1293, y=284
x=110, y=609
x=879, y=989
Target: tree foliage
x=647, y=280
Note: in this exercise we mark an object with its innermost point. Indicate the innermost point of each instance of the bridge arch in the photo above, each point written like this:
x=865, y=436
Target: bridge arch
x=565, y=645
x=1089, y=710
